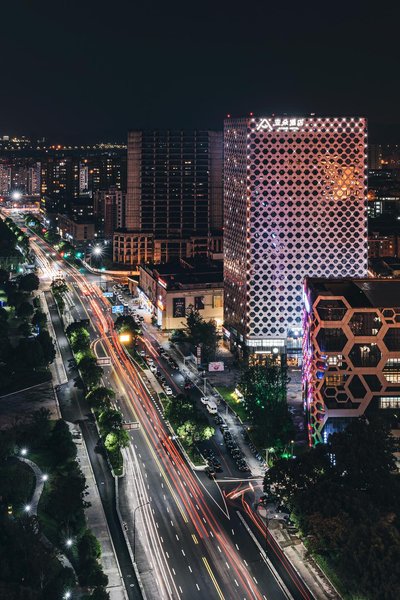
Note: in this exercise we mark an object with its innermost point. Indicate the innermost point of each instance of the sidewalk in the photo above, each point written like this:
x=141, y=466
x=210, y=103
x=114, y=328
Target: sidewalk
x=296, y=553
x=97, y=523
x=64, y=560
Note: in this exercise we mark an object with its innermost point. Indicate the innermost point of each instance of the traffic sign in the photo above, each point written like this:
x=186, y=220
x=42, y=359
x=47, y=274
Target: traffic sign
x=130, y=425
x=118, y=308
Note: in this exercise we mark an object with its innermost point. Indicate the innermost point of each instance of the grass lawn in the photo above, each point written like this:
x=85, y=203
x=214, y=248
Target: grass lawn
x=230, y=398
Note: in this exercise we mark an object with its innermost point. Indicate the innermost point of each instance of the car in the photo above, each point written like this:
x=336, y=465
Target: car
x=168, y=390
x=218, y=468
x=153, y=369
x=244, y=468
x=210, y=472
x=141, y=319
x=142, y=353
x=204, y=399
x=219, y=420
x=149, y=360
x=223, y=427
x=159, y=374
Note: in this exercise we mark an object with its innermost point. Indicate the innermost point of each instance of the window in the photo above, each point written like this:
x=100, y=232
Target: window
x=217, y=301
x=389, y=402
x=391, y=370
x=335, y=360
x=333, y=379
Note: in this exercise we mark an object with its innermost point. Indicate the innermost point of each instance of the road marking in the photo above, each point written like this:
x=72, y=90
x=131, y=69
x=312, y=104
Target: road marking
x=255, y=580
x=237, y=546
x=236, y=582
x=195, y=539
x=177, y=537
x=219, y=548
x=183, y=552
x=198, y=589
x=180, y=589
x=265, y=558
x=227, y=565
x=211, y=574
x=190, y=568
x=173, y=570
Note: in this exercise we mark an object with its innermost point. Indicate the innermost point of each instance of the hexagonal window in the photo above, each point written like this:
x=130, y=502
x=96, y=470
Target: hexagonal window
x=331, y=310
x=392, y=339
x=357, y=388
x=388, y=313
x=331, y=339
x=365, y=355
x=342, y=397
x=365, y=323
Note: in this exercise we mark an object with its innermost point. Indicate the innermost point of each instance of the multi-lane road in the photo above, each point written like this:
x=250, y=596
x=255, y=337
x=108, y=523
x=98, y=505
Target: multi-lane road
x=192, y=537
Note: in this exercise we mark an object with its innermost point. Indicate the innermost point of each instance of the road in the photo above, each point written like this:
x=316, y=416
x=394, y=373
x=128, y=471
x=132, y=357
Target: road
x=194, y=537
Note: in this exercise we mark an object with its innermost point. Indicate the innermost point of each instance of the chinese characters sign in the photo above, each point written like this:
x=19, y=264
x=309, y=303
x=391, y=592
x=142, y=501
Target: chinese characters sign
x=280, y=124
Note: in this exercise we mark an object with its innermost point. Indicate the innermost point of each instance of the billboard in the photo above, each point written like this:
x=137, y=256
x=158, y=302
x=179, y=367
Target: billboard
x=216, y=366
x=108, y=294
x=179, y=307
x=199, y=302
x=118, y=308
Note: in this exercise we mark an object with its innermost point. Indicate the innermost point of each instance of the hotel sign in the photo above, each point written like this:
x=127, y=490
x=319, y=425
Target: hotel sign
x=280, y=124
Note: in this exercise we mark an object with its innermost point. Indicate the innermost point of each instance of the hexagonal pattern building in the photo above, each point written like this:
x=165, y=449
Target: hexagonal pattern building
x=351, y=351
x=294, y=205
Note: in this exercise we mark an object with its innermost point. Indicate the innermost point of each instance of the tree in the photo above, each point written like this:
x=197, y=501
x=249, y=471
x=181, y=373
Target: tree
x=110, y=419
x=65, y=501
x=180, y=409
x=61, y=443
x=127, y=324
x=79, y=340
x=29, y=282
x=25, y=310
x=100, y=397
x=47, y=344
x=39, y=319
x=117, y=439
x=88, y=547
x=200, y=332
x=25, y=329
x=264, y=388
x=4, y=276
x=29, y=353
x=91, y=372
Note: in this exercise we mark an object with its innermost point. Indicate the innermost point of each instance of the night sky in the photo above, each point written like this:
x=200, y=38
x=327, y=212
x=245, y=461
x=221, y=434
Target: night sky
x=90, y=70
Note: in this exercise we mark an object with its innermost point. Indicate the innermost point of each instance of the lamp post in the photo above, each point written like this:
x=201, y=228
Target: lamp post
x=134, y=528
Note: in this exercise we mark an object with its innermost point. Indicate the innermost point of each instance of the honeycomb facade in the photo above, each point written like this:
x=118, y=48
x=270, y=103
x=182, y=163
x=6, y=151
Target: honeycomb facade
x=351, y=351
x=294, y=205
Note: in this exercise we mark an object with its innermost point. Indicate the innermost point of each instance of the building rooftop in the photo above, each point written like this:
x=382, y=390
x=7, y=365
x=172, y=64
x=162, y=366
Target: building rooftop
x=187, y=273
x=359, y=293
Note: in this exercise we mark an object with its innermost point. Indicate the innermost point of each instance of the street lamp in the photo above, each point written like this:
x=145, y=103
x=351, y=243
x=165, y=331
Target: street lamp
x=68, y=542
x=45, y=477
x=125, y=338
x=67, y=595
x=24, y=451
x=292, y=444
x=27, y=508
x=134, y=528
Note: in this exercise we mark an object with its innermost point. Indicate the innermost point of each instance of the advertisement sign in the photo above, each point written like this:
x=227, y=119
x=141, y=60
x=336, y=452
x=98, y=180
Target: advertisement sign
x=179, y=307
x=199, y=302
x=216, y=366
x=118, y=308
x=108, y=294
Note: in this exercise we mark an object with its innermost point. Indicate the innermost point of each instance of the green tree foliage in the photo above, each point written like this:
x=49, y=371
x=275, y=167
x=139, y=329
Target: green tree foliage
x=61, y=444
x=4, y=276
x=65, y=501
x=25, y=329
x=80, y=340
x=25, y=310
x=39, y=319
x=264, y=388
x=99, y=593
x=90, y=370
x=116, y=439
x=47, y=345
x=29, y=354
x=29, y=282
x=127, y=324
x=110, y=419
x=52, y=237
x=200, y=332
x=179, y=409
x=344, y=496
x=100, y=397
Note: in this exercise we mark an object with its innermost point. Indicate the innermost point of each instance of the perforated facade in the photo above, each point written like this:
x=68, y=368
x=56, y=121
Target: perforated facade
x=351, y=351
x=294, y=205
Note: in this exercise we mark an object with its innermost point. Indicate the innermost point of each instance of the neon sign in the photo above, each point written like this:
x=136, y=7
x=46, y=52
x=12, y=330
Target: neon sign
x=280, y=124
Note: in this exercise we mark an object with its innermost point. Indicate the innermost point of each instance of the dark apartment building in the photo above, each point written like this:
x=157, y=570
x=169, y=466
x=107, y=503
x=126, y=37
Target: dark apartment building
x=174, y=196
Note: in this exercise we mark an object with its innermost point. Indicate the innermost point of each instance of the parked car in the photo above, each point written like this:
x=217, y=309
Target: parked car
x=168, y=391
x=204, y=399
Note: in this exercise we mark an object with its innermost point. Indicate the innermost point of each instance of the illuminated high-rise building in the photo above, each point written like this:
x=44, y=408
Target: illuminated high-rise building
x=294, y=205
